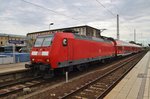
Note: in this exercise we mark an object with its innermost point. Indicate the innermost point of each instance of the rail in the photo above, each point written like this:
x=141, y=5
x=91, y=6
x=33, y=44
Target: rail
x=76, y=93
x=7, y=89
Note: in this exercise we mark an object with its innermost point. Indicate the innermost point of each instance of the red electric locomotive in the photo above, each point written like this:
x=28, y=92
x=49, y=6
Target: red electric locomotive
x=64, y=49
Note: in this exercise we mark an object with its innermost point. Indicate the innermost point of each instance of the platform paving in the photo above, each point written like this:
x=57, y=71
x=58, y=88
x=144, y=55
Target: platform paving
x=136, y=84
x=5, y=68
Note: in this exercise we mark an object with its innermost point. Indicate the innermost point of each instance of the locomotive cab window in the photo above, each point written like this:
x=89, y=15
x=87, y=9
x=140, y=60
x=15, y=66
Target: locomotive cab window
x=38, y=42
x=43, y=41
x=47, y=41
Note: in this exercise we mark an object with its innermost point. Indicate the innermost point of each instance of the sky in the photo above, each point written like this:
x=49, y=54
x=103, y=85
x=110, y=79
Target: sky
x=24, y=16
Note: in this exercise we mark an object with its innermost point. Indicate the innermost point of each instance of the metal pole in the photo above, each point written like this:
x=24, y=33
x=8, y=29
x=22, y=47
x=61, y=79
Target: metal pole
x=66, y=77
x=117, y=26
x=134, y=35
x=49, y=28
x=14, y=57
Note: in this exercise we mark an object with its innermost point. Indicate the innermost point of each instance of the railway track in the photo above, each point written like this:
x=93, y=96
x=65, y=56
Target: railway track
x=15, y=87
x=9, y=77
x=100, y=86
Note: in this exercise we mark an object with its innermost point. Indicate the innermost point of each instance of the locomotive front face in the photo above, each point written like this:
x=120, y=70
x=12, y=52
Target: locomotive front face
x=41, y=51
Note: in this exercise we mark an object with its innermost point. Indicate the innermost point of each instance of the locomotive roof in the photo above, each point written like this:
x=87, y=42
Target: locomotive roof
x=45, y=35
x=123, y=43
x=102, y=39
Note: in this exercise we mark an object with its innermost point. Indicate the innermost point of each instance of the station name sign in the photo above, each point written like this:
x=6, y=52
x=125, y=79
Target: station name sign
x=16, y=42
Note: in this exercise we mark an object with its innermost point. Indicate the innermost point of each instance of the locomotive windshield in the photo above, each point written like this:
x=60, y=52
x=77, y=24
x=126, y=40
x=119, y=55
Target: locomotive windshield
x=43, y=41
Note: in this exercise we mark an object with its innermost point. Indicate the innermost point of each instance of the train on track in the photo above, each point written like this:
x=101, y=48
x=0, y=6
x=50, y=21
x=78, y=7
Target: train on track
x=64, y=50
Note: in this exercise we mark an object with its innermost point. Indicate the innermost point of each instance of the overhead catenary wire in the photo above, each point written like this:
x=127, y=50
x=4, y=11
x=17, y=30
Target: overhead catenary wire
x=114, y=15
x=48, y=9
x=58, y=13
x=95, y=19
x=109, y=11
x=62, y=14
x=121, y=17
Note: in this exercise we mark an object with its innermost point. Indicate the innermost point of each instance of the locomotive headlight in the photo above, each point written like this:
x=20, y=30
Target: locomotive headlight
x=33, y=59
x=47, y=60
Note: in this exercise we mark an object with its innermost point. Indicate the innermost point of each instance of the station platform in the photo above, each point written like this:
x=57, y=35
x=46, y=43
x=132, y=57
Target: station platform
x=136, y=84
x=6, y=68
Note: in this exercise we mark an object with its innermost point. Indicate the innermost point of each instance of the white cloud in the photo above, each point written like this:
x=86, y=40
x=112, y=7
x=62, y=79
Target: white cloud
x=78, y=4
x=19, y=17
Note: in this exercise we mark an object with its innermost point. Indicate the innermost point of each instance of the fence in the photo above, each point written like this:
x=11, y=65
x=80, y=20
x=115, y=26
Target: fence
x=6, y=59
x=19, y=57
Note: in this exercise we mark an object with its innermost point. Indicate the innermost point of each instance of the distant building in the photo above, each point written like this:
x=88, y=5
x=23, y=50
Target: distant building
x=83, y=30
x=7, y=39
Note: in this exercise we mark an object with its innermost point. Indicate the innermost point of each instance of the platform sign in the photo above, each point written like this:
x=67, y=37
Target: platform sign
x=16, y=42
